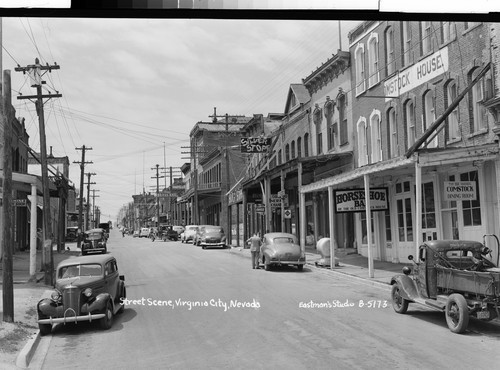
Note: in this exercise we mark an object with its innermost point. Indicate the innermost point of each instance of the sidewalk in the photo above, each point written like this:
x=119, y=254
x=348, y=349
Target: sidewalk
x=22, y=335
x=350, y=265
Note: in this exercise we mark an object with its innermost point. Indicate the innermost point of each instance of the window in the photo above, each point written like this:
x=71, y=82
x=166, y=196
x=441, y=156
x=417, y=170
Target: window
x=405, y=223
x=406, y=42
x=376, y=138
x=393, y=133
x=453, y=132
x=364, y=231
x=428, y=207
x=471, y=209
x=478, y=119
x=287, y=153
x=363, y=142
x=447, y=31
x=426, y=37
x=409, y=112
x=318, y=118
x=373, y=62
x=320, y=143
x=341, y=106
x=293, y=149
x=388, y=233
x=359, y=56
x=329, y=109
x=389, y=51
x=299, y=147
x=429, y=117
x=470, y=25
x=280, y=158
x=306, y=145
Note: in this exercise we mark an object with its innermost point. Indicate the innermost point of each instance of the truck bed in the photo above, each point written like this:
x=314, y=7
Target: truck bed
x=485, y=283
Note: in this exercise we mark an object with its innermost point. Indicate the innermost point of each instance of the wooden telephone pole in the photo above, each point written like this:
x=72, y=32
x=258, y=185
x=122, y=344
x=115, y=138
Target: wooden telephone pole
x=80, y=207
x=35, y=73
x=87, y=219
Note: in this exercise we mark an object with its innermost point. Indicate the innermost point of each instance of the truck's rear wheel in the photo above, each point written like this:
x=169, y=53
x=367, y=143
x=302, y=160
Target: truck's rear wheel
x=457, y=313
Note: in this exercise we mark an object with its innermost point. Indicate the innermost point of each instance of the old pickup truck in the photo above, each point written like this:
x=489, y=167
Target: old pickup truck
x=456, y=277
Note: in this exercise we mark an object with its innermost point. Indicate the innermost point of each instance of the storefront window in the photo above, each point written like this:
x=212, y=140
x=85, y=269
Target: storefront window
x=364, y=232
x=471, y=209
x=428, y=208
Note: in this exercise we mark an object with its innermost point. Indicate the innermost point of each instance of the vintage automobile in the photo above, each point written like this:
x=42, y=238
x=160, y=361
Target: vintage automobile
x=209, y=236
x=179, y=229
x=454, y=277
x=87, y=288
x=94, y=241
x=167, y=233
x=144, y=233
x=189, y=233
x=281, y=249
x=136, y=234
x=105, y=227
x=72, y=234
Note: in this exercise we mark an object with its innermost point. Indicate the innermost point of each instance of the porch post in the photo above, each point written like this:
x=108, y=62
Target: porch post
x=368, y=225
x=302, y=207
x=418, y=204
x=332, y=227
x=33, y=233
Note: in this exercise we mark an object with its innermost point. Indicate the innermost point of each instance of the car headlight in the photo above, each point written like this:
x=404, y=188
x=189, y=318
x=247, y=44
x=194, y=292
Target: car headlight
x=55, y=295
x=87, y=292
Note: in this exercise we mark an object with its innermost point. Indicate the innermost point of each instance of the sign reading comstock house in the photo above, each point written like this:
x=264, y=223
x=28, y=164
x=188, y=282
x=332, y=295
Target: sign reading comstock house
x=353, y=200
x=419, y=73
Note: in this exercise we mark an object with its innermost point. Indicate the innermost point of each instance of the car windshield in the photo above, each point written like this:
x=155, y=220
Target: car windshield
x=192, y=228
x=282, y=240
x=93, y=269
x=93, y=235
x=213, y=230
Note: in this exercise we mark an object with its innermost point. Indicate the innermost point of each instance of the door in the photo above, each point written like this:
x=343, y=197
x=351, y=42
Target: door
x=429, y=225
x=404, y=220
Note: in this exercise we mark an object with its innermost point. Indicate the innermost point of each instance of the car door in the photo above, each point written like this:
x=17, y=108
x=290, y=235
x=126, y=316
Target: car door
x=111, y=278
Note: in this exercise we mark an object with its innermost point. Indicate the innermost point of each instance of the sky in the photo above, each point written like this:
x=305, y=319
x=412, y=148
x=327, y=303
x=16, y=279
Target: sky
x=133, y=89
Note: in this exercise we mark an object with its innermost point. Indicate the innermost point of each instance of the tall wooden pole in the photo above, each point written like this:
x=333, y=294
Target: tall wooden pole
x=7, y=263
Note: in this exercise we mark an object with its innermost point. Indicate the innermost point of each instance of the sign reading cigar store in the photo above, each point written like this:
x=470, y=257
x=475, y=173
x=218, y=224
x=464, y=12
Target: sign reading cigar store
x=353, y=200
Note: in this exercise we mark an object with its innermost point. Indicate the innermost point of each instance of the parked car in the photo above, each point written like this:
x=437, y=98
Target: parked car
x=144, y=232
x=136, y=234
x=105, y=227
x=189, y=233
x=72, y=233
x=210, y=236
x=179, y=229
x=94, y=241
x=87, y=289
x=454, y=277
x=168, y=233
x=281, y=249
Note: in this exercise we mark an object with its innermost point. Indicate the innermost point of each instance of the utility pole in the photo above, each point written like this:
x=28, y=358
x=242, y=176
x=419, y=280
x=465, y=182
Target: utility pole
x=93, y=207
x=87, y=219
x=35, y=73
x=7, y=240
x=80, y=210
x=157, y=177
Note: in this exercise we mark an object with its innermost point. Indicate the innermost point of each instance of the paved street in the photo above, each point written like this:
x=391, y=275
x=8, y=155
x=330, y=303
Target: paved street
x=216, y=312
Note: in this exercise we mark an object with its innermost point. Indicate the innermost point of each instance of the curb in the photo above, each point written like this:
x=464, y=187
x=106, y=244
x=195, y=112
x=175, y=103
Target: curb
x=24, y=357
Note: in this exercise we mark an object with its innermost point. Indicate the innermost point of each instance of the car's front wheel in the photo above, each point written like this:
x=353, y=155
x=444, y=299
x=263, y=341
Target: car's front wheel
x=45, y=329
x=107, y=321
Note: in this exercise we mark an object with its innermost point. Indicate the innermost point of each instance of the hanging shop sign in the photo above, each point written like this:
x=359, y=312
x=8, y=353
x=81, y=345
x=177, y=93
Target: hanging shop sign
x=460, y=190
x=255, y=144
x=353, y=200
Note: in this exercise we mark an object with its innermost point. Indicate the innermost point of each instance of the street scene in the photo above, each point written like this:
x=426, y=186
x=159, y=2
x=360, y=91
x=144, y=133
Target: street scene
x=188, y=193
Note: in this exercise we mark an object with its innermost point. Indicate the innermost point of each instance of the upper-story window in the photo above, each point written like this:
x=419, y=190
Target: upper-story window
x=293, y=149
x=392, y=132
x=425, y=36
x=299, y=147
x=293, y=100
x=478, y=119
x=306, y=145
x=280, y=157
x=363, y=142
x=406, y=43
x=287, y=153
x=342, y=108
x=451, y=93
x=409, y=112
x=329, y=109
x=389, y=51
x=318, y=118
x=359, y=56
x=373, y=60
x=429, y=117
x=376, y=137
x=447, y=31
